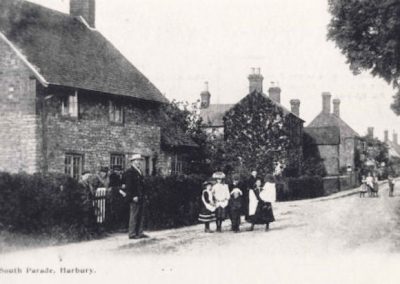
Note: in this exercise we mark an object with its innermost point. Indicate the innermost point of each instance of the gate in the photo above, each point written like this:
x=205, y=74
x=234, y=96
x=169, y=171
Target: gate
x=99, y=204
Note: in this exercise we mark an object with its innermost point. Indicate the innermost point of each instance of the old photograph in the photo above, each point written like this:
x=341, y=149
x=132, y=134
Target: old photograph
x=199, y=141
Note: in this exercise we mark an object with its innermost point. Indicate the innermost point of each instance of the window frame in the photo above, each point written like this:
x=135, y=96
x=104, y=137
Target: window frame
x=69, y=168
x=70, y=105
x=114, y=108
x=118, y=156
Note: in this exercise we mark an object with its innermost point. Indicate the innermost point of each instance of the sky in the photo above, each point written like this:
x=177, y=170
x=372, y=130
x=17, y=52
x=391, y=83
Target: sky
x=180, y=44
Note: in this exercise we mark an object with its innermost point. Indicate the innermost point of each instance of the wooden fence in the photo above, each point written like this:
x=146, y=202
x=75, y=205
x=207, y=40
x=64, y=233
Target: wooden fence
x=99, y=204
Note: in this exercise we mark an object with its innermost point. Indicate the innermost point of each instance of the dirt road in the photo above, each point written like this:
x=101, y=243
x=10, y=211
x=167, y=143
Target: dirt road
x=347, y=240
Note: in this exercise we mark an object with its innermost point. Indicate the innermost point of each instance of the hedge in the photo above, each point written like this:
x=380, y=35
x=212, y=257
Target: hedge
x=172, y=201
x=300, y=188
x=46, y=204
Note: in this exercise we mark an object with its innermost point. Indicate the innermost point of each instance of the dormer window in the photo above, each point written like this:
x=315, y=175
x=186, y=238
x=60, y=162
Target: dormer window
x=69, y=105
x=116, y=112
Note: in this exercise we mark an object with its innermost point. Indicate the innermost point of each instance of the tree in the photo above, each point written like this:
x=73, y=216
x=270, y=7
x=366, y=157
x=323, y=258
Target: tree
x=373, y=156
x=255, y=135
x=368, y=33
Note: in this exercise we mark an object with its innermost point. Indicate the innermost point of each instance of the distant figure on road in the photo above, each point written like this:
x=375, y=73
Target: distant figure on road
x=207, y=213
x=370, y=183
x=376, y=185
x=364, y=187
x=221, y=197
x=260, y=209
x=391, y=182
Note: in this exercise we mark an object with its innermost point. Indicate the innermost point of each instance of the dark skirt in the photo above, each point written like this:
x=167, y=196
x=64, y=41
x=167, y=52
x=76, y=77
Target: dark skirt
x=263, y=215
x=206, y=215
x=220, y=213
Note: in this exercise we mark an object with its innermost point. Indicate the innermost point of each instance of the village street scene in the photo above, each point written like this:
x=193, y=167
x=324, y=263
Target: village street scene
x=199, y=141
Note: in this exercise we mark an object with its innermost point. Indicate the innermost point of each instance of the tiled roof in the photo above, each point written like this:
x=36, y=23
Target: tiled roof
x=324, y=119
x=394, y=149
x=214, y=114
x=66, y=52
x=328, y=135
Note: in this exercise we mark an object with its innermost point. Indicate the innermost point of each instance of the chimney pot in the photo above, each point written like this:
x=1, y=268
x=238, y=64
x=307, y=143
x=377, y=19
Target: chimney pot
x=295, y=106
x=326, y=102
x=370, y=132
x=205, y=97
x=336, y=107
x=386, y=135
x=274, y=92
x=255, y=82
x=85, y=9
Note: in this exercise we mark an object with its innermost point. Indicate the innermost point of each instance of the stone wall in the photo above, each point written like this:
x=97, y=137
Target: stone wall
x=330, y=156
x=93, y=135
x=18, y=122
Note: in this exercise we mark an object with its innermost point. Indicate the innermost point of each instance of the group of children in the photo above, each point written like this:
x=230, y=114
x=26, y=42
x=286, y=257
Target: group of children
x=219, y=202
x=370, y=184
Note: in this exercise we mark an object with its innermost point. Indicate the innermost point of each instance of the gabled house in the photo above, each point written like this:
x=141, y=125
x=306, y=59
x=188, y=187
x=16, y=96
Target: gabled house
x=69, y=100
x=213, y=115
x=334, y=140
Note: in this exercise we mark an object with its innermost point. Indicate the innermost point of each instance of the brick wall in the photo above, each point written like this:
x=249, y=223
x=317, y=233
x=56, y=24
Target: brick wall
x=93, y=135
x=347, y=152
x=18, y=122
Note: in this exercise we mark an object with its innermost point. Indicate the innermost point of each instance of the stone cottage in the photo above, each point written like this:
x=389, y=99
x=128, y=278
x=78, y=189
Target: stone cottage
x=71, y=101
x=330, y=138
x=213, y=115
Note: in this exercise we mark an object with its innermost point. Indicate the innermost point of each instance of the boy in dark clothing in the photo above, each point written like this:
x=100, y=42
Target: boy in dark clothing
x=235, y=208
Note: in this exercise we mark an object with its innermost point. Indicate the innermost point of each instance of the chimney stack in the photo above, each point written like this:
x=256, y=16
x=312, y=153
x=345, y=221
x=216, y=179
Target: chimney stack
x=326, y=102
x=255, y=81
x=370, y=131
x=295, y=106
x=84, y=8
x=395, y=141
x=386, y=136
x=274, y=92
x=205, y=97
x=336, y=107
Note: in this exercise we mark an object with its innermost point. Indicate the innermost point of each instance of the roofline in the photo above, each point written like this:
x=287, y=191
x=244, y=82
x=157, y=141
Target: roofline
x=112, y=94
x=38, y=76
x=82, y=19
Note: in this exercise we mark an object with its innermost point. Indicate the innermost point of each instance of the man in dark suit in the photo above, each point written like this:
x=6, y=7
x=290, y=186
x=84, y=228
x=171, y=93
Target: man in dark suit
x=134, y=188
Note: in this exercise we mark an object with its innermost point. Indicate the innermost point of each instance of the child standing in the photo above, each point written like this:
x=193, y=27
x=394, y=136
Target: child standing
x=221, y=197
x=364, y=187
x=235, y=206
x=391, y=182
x=207, y=213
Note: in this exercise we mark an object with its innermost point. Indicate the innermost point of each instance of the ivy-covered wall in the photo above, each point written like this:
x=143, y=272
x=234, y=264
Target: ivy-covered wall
x=259, y=134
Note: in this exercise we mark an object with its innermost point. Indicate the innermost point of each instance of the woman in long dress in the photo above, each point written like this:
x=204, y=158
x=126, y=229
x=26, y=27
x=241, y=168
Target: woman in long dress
x=260, y=207
x=221, y=196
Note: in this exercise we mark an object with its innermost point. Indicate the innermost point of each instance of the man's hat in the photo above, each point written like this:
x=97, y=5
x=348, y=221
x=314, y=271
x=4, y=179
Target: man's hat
x=85, y=172
x=135, y=157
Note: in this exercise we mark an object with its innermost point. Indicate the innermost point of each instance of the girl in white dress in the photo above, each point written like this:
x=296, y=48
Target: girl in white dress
x=221, y=197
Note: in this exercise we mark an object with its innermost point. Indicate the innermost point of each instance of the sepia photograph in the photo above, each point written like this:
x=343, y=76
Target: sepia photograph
x=199, y=141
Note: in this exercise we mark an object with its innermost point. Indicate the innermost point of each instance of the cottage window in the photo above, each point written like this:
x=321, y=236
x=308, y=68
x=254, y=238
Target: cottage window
x=69, y=105
x=117, y=160
x=177, y=164
x=116, y=112
x=73, y=165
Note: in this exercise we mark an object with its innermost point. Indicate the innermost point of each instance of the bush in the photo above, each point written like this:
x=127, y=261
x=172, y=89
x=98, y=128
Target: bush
x=46, y=204
x=300, y=188
x=172, y=201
